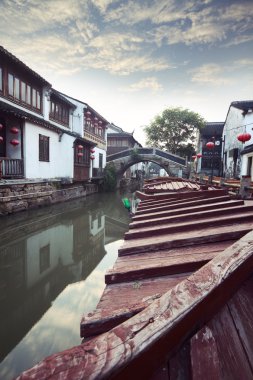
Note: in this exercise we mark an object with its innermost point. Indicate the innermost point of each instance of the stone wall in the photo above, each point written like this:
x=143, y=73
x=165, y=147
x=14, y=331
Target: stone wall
x=17, y=197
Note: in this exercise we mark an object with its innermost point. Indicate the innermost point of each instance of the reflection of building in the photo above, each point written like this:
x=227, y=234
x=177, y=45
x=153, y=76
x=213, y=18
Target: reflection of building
x=36, y=268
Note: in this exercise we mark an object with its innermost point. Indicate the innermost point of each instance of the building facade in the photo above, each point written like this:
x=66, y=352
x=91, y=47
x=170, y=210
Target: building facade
x=43, y=133
x=238, y=155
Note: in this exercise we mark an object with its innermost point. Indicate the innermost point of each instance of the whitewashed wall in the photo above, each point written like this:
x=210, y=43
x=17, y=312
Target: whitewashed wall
x=76, y=119
x=60, y=251
x=61, y=157
x=235, y=124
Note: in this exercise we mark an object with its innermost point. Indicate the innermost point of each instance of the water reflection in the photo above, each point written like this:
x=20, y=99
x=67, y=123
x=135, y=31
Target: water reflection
x=52, y=265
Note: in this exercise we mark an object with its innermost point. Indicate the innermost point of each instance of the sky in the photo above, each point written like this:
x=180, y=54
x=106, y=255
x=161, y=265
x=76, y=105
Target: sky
x=130, y=60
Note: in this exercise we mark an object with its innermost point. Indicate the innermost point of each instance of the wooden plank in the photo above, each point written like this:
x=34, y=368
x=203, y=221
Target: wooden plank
x=141, y=344
x=170, y=265
x=212, y=210
x=147, y=204
x=122, y=301
x=205, y=362
x=189, y=225
x=232, y=358
x=187, y=238
x=173, y=206
x=190, y=194
x=241, y=309
x=180, y=363
x=181, y=208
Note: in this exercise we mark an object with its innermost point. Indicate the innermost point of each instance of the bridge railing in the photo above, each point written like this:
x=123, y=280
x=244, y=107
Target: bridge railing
x=171, y=157
x=148, y=151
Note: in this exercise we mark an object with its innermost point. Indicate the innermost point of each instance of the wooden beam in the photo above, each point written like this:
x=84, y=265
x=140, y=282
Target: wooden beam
x=141, y=344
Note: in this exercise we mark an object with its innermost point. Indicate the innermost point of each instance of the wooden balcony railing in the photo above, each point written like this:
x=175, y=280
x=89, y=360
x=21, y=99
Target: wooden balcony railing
x=11, y=168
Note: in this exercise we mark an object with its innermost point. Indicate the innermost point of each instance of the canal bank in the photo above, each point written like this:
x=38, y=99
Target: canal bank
x=20, y=195
x=52, y=266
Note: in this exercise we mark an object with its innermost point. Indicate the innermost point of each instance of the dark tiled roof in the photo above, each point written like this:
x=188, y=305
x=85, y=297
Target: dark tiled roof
x=5, y=52
x=58, y=95
x=243, y=105
x=212, y=129
x=9, y=109
x=123, y=134
x=247, y=149
x=88, y=108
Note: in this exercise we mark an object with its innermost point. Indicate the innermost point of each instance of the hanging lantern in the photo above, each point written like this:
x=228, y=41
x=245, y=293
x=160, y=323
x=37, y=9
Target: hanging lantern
x=14, y=130
x=79, y=154
x=100, y=122
x=210, y=145
x=1, y=139
x=193, y=157
x=243, y=137
x=14, y=142
x=1, y=126
x=92, y=150
x=92, y=157
x=79, y=147
x=88, y=113
x=199, y=155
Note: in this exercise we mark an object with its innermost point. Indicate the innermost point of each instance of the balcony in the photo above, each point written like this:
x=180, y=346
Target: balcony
x=11, y=168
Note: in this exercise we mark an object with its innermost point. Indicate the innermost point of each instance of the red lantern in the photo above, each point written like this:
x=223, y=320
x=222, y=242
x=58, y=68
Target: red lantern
x=199, y=155
x=1, y=126
x=88, y=113
x=100, y=122
x=1, y=139
x=92, y=157
x=14, y=142
x=14, y=130
x=244, y=137
x=193, y=157
x=79, y=154
x=80, y=147
x=92, y=150
x=210, y=145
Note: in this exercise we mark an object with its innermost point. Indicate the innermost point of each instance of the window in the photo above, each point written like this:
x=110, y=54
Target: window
x=44, y=258
x=59, y=112
x=249, y=166
x=100, y=160
x=23, y=93
x=43, y=148
x=10, y=84
x=82, y=156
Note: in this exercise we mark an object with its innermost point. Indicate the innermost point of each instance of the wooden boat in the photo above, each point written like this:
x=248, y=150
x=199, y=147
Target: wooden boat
x=178, y=301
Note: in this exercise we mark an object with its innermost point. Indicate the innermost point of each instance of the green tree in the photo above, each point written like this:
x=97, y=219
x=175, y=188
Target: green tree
x=110, y=178
x=175, y=130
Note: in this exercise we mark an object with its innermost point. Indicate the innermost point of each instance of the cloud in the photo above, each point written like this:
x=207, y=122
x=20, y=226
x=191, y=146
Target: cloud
x=209, y=74
x=149, y=83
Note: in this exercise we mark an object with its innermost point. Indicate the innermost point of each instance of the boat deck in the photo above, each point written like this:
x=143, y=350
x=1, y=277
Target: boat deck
x=177, y=302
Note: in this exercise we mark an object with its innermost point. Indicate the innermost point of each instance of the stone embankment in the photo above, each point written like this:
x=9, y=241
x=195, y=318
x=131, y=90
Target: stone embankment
x=17, y=196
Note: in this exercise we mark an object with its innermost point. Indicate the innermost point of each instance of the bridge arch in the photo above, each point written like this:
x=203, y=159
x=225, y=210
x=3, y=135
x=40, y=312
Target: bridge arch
x=168, y=161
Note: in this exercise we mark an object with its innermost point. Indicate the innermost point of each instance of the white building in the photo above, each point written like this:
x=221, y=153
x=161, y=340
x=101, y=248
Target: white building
x=43, y=133
x=238, y=155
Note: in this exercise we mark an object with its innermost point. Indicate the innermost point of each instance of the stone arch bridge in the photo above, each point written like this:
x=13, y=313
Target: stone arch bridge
x=171, y=163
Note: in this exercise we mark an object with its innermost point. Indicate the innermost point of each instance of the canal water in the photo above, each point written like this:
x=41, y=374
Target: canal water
x=52, y=266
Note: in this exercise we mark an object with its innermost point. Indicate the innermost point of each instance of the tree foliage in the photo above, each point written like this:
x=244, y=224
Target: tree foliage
x=175, y=130
x=110, y=178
